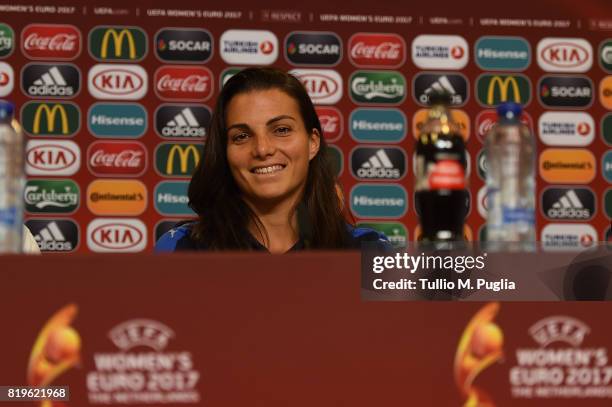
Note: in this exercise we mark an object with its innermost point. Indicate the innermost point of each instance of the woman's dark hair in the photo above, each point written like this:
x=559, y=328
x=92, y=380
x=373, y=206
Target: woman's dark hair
x=214, y=196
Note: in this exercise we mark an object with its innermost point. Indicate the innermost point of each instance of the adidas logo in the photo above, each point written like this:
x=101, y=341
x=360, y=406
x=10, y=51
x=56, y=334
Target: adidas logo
x=184, y=124
x=51, y=83
x=569, y=207
x=378, y=166
x=442, y=85
x=51, y=238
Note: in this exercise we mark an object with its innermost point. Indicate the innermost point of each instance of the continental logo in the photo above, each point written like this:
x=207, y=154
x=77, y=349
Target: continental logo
x=568, y=165
x=177, y=159
x=51, y=119
x=491, y=90
x=605, y=92
x=117, y=43
x=117, y=197
x=459, y=117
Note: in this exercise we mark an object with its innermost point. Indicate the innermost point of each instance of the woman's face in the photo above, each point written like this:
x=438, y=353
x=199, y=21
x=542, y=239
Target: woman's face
x=268, y=147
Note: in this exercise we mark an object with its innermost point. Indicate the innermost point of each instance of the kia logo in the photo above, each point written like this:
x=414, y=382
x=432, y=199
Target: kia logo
x=51, y=157
x=117, y=81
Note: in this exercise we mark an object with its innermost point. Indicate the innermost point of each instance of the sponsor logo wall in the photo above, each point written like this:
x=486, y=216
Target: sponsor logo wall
x=115, y=115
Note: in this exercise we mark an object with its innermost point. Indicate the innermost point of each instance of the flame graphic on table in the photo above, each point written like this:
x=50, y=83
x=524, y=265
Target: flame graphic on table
x=56, y=350
x=480, y=346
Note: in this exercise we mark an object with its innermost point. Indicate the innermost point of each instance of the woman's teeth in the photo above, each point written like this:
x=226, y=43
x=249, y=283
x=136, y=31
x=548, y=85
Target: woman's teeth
x=268, y=170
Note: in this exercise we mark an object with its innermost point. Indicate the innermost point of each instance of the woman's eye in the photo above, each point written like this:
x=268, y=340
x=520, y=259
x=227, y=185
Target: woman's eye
x=240, y=137
x=283, y=130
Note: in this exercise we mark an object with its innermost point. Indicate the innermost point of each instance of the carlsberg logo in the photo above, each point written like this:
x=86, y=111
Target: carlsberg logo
x=378, y=87
x=61, y=196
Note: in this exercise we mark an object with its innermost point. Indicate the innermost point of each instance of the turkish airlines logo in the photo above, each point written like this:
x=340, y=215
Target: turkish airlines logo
x=566, y=129
x=560, y=237
x=440, y=52
x=50, y=41
x=108, y=235
x=249, y=47
x=117, y=82
x=183, y=83
x=7, y=79
x=51, y=81
x=324, y=86
x=487, y=119
x=331, y=122
x=52, y=157
x=565, y=55
x=371, y=50
x=117, y=158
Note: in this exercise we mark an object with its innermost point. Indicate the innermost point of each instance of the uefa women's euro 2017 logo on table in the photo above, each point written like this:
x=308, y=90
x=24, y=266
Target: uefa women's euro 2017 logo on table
x=480, y=346
x=55, y=351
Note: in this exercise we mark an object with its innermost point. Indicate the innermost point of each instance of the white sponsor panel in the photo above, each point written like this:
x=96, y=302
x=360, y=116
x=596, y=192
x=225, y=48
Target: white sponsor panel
x=7, y=79
x=249, y=47
x=52, y=157
x=564, y=55
x=117, y=82
x=114, y=235
x=440, y=52
x=566, y=129
x=324, y=86
x=568, y=237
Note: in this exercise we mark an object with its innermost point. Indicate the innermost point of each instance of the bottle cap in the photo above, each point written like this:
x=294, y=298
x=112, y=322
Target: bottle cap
x=509, y=111
x=6, y=110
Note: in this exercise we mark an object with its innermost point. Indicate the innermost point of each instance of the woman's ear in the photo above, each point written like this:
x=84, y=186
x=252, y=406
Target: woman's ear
x=315, y=143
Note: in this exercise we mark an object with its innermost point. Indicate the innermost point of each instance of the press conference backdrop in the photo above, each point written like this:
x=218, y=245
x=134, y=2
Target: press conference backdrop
x=115, y=103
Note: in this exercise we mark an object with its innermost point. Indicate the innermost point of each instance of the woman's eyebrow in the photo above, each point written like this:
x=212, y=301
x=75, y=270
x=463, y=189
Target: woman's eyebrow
x=281, y=117
x=239, y=126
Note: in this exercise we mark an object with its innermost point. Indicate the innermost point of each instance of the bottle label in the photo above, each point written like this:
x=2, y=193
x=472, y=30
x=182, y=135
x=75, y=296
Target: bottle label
x=446, y=174
x=518, y=215
x=8, y=216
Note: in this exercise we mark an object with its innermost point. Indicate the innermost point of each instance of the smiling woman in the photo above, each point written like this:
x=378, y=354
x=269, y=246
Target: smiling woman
x=264, y=181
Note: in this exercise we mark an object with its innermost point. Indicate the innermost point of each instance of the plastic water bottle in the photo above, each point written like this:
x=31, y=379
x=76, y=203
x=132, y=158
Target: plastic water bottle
x=12, y=180
x=510, y=156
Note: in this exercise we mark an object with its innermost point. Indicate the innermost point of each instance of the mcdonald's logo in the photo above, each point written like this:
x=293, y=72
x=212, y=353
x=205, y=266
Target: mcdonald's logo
x=51, y=119
x=491, y=90
x=177, y=159
x=117, y=43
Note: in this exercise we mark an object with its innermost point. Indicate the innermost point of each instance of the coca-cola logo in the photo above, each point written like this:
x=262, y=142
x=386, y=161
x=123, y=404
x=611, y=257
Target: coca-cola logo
x=377, y=50
x=183, y=83
x=117, y=158
x=487, y=118
x=331, y=122
x=49, y=41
